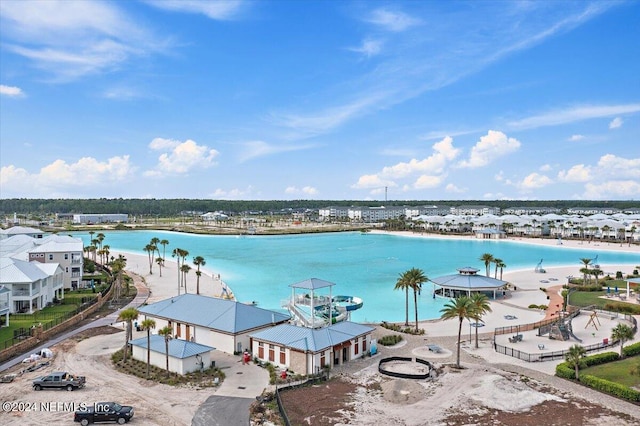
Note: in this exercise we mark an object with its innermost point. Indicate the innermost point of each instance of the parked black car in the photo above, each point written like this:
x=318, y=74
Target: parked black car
x=104, y=412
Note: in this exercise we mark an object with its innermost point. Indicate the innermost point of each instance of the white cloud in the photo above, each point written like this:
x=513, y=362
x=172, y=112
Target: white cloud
x=372, y=182
x=307, y=190
x=218, y=9
x=493, y=145
x=629, y=189
x=181, y=157
x=233, y=194
x=534, y=181
x=499, y=176
x=545, y=167
x=577, y=173
x=61, y=177
x=392, y=21
x=619, y=167
x=576, y=138
x=368, y=48
x=616, y=123
x=69, y=39
x=11, y=91
x=431, y=168
x=255, y=149
x=454, y=189
x=428, y=181
x=573, y=114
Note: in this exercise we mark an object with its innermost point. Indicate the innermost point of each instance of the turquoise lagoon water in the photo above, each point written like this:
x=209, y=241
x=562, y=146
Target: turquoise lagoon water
x=260, y=268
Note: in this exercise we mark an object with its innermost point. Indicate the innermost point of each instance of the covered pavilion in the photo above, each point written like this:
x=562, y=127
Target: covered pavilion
x=466, y=282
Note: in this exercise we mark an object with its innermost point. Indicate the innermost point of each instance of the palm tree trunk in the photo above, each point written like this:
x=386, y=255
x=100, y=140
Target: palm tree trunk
x=406, y=307
x=459, y=337
x=415, y=303
x=476, y=319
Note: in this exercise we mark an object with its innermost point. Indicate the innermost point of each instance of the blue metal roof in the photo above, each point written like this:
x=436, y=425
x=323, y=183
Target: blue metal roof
x=210, y=312
x=469, y=282
x=313, y=340
x=177, y=348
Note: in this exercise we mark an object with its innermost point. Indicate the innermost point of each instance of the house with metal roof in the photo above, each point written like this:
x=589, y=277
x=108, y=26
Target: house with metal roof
x=466, y=282
x=221, y=323
x=306, y=350
x=31, y=285
x=184, y=356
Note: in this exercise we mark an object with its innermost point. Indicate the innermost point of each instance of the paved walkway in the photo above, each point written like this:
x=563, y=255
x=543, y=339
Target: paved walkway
x=141, y=296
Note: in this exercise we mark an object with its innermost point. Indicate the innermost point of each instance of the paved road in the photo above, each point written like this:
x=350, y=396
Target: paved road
x=141, y=297
x=223, y=411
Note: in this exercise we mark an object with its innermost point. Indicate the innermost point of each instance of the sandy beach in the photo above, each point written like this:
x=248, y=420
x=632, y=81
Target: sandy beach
x=489, y=382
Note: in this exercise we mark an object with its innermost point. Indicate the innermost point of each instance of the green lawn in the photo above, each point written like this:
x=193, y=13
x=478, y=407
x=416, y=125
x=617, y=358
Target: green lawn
x=618, y=371
x=44, y=316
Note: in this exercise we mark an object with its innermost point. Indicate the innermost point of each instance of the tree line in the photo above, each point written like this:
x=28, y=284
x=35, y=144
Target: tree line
x=174, y=207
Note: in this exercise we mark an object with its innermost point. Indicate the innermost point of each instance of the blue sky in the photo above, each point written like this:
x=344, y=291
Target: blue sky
x=320, y=99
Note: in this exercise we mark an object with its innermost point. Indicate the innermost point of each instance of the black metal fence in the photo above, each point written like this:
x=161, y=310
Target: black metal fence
x=320, y=377
x=46, y=320
x=550, y=356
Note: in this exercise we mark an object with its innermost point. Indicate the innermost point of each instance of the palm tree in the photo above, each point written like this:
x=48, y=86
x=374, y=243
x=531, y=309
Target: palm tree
x=574, y=358
x=198, y=261
x=500, y=264
x=595, y=273
x=480, y=305
x=184, y=269
x=147, y=325
x=117, y=268
x=150, y=249
x=128, y=315
x=164, y=244
x=460, y=308
x=623, y=333
x=160, y=261
x=497, y=262
x=586, y=261
x=403, y=284
x=487, y=258
x=166, y=333
x=414, y=278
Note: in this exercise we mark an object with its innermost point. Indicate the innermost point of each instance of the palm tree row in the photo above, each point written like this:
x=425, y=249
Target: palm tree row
x=411, y=279
x=488, y=259
x=466, y=307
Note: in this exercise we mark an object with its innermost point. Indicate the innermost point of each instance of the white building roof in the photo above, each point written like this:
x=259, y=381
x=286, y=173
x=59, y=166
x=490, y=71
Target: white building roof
x=14, y=271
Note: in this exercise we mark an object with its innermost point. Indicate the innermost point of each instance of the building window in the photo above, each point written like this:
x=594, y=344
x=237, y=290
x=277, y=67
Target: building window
x=364, y=345
x=283, y=357
x=50, y=257
x=272, y=356
x=355, y=348
x=261, y=350
x=66, y=256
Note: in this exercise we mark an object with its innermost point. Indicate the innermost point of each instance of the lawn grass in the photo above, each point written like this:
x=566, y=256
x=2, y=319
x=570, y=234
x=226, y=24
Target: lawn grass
x=617, y=371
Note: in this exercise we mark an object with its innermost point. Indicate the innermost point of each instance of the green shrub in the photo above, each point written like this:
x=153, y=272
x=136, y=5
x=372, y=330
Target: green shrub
x=611, y=388
x=631, y=350
x=602, y=358
x=563, y=370
x=390, y=339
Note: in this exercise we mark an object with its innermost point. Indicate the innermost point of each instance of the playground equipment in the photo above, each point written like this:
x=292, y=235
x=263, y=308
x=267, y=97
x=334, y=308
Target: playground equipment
x=592, y=321
x=562, y=330
x=539, y=268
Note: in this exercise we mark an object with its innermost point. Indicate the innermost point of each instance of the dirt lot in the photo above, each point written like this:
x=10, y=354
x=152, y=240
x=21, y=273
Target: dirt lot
x=154, y=404
x=476, y=396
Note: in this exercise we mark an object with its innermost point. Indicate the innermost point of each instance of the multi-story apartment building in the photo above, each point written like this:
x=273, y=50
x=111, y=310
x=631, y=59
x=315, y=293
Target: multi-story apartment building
x=474, y=210
x=100, y=218
x=65, y=251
